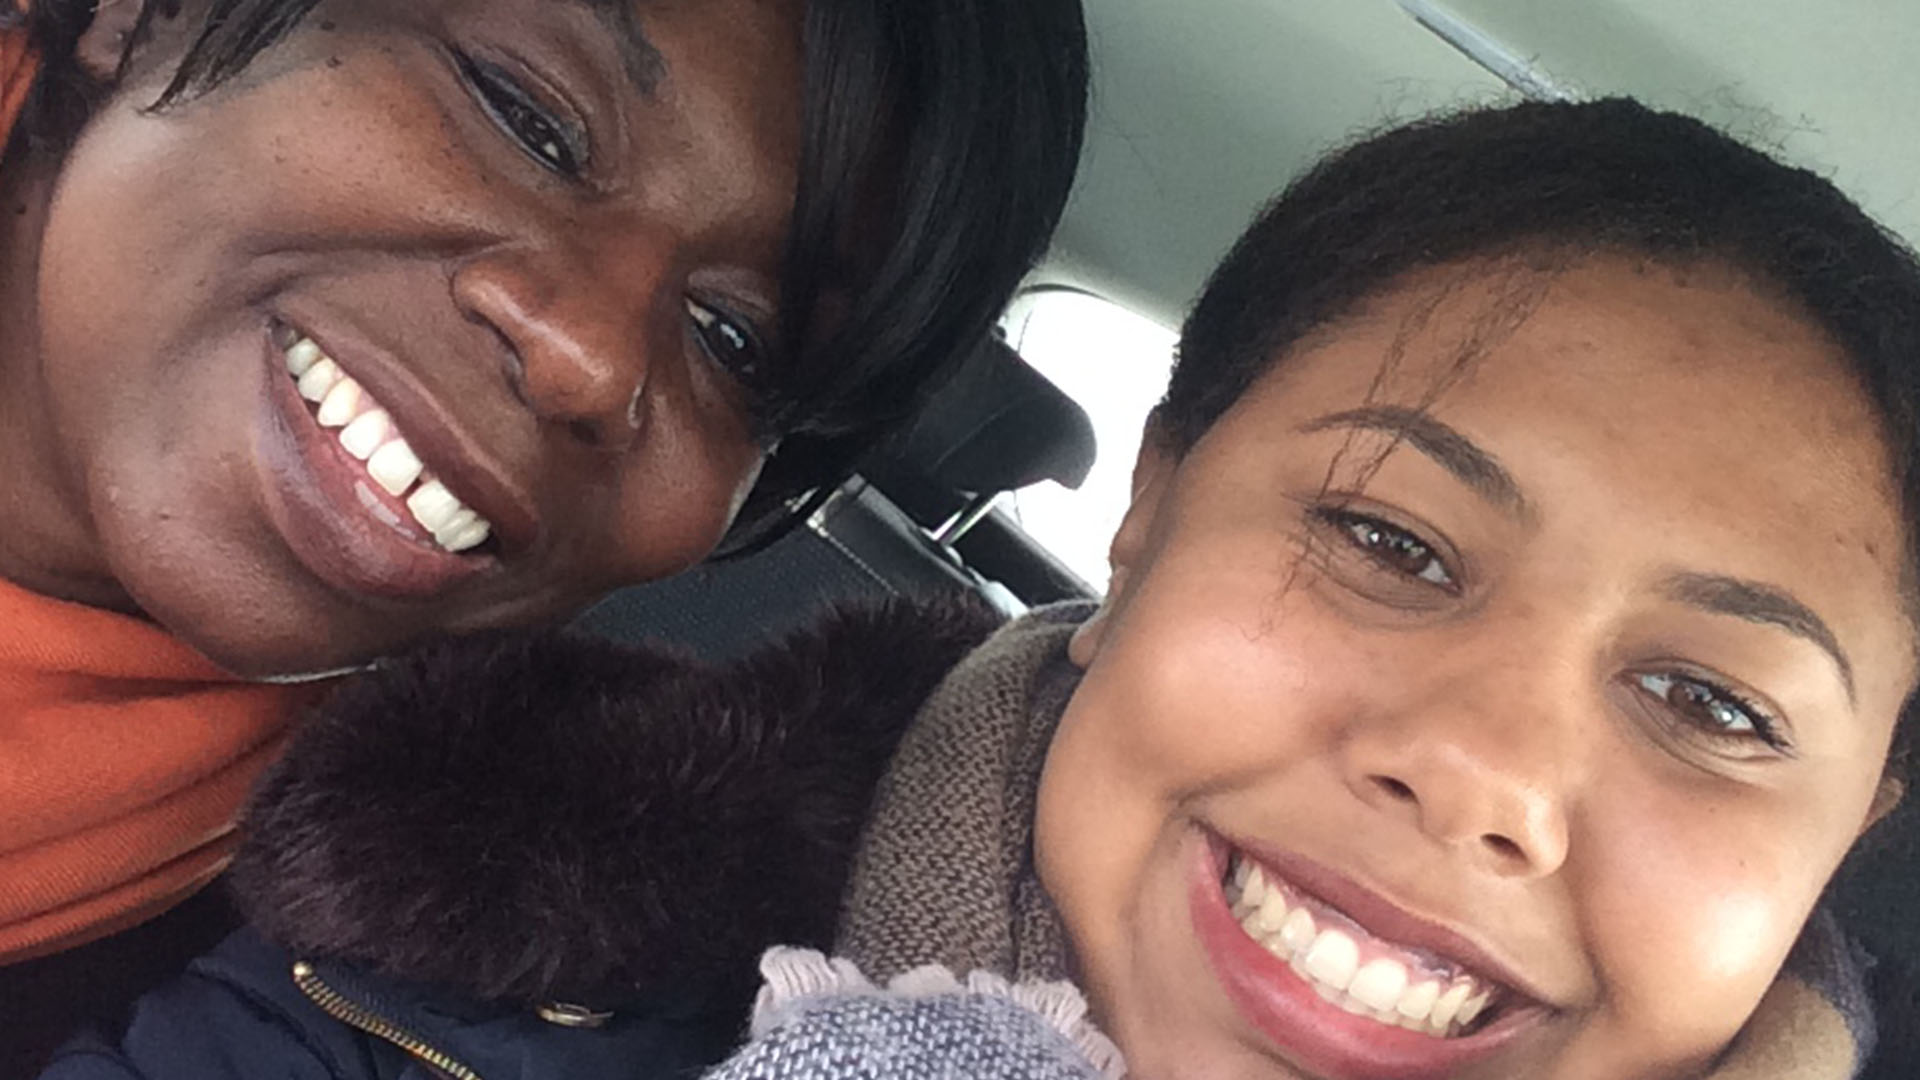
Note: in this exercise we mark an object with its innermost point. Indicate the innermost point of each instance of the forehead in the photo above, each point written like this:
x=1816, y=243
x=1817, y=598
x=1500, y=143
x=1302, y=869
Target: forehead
x=1673, y=419
x=734, y=69
x=746, y=53
x=717, y=82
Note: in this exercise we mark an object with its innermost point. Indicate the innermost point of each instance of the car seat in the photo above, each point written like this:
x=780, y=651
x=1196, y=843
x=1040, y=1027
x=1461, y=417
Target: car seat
x=1877, y=897
x=917, y=517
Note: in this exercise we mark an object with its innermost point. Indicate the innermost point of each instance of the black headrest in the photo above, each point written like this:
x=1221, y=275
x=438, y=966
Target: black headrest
x=996, y=426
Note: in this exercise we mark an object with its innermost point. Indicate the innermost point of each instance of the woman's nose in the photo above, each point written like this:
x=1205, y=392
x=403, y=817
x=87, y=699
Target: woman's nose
x=1491, y=785
x=580, y=324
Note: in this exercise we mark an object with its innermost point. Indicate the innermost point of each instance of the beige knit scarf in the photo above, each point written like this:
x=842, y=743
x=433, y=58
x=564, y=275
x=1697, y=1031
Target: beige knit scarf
x=945, y=873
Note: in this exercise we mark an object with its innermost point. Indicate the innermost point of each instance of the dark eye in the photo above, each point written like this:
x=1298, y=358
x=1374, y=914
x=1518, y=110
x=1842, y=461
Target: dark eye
x=1392, y=547
x=729, y=344
x=548, y=140
x=1711, y=709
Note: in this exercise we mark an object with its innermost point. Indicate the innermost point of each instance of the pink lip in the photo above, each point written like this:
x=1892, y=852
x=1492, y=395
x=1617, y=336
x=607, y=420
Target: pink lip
x=1320, y=1037
x=313, y=502
x=1382, y=918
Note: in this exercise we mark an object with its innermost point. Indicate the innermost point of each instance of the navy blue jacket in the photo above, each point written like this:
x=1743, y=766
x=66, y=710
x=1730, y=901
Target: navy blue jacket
x=240, y=1012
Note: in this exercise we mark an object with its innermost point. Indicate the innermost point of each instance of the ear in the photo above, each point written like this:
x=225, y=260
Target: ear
x=1886, y=799
x=104, y=42
x=1152, y=477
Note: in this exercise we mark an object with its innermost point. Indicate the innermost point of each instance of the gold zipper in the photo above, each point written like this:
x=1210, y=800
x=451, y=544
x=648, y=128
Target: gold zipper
x=355, y=1015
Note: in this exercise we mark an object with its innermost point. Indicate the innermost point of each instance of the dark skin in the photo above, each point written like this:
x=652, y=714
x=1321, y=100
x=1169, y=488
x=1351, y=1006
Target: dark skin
x=552, y=254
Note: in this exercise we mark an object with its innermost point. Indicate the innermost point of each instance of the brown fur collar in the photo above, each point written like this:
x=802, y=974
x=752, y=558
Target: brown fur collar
x=525, y=817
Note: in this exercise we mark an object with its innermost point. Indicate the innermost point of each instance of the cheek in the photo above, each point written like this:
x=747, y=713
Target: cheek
x=671, y=506
x=1205, y=682
x=1215, y=676
x=1690, y=904
x=165, y=223
x=277, y=155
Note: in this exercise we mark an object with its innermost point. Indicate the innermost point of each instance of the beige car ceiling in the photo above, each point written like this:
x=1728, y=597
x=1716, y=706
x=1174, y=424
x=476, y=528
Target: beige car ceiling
x=1203, y=108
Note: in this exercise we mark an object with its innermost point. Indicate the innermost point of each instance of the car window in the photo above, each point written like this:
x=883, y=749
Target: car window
x=1114, y=363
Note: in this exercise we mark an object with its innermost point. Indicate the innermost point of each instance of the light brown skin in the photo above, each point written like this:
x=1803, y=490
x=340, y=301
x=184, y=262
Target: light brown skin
x=1489, y=758
x=351, y=175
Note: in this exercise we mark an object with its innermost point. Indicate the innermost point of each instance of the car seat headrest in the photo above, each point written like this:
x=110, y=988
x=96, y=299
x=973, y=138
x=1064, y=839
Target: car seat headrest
x=997, y=425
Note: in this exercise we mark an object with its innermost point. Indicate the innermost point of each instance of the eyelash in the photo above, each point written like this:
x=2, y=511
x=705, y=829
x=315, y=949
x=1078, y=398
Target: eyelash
x=728, y=343
x=552, y=143
x=1372, y=538
x=1711, y=696
x=1389, y=545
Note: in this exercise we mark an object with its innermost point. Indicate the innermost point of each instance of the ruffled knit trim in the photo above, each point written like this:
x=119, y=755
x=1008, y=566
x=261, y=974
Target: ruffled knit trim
x=798, y=978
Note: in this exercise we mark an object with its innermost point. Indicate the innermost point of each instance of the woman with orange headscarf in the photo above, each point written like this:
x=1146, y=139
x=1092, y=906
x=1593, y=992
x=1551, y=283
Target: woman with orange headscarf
x=244, y=440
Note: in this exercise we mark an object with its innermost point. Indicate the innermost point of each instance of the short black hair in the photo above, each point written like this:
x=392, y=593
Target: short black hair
x=1572, y=179
x=940, y=140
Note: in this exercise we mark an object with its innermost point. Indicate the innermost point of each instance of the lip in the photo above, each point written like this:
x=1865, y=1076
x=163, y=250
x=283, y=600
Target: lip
x=1315, y=1034
x=456, y=455
x=1384, y=919
x=312, y=501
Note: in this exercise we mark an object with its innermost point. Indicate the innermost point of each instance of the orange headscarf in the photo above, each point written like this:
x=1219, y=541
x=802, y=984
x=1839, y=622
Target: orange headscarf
x=123, y=760
x=124, y=755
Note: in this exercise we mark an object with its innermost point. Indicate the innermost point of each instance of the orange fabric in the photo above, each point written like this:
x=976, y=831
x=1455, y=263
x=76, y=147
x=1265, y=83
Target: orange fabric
x=124, y=756
x=17, y=67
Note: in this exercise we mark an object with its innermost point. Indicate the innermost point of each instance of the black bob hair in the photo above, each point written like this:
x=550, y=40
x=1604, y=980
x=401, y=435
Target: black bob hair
x=1568, y=180
x=940, y=140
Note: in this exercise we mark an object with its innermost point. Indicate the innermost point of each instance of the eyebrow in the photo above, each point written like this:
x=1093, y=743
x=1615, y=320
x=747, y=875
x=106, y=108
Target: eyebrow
x=646, y=68
x=1759, y=603
x=1453, y=451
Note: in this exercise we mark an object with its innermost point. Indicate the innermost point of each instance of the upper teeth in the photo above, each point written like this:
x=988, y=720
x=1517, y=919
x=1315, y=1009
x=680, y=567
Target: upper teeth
x=367, y=432
x=1329, y=959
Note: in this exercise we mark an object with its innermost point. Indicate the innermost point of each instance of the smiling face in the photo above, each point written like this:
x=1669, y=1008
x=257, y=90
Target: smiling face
x=1536, y=719
x=523, y=252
